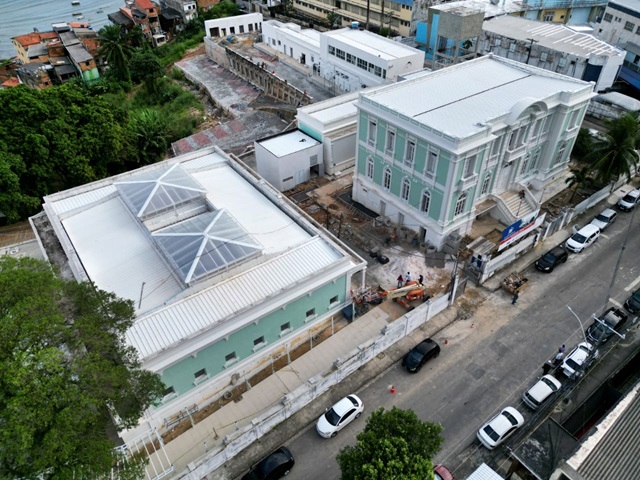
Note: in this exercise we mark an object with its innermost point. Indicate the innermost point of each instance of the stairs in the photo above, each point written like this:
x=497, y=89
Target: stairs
x=519, y=207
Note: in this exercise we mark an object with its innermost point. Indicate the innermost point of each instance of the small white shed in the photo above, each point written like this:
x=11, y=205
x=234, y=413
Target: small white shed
x=289, y=159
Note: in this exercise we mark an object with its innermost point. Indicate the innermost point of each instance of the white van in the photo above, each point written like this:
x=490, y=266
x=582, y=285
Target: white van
x=583, y=238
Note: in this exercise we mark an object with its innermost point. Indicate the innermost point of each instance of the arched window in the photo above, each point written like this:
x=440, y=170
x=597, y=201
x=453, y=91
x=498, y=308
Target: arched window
x=425, y=201
x=485, y=184
x=370, y=167
x=460, y=204
x=386, y=178
x=406, y=186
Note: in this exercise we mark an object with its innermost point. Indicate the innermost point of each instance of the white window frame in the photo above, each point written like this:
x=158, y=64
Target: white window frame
x=470, y=166
x=169, y=396
x=310, y=316
x=432, y=162
x=390, y=146
x=333, y=301
x=200, y=378
x=386, y=178
x=258, y=346
x=525, y=164
x=461, y=203
x=409, y=152
x=372, y=132
x=425, y=201
x=232, y=361
x=287, y=330
x=405, y=190
x=486, y=183
x=370, y=168
x=560, y=154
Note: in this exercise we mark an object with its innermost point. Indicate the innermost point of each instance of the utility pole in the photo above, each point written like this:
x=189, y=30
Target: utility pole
x=530, y=48
x=366, y=25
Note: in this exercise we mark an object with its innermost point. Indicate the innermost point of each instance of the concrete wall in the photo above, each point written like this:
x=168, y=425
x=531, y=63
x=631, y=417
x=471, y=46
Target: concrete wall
x=287, y=171
x=238, y=25
x=613, y=31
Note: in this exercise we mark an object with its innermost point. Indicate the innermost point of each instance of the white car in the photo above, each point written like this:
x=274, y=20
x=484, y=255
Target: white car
x=339, y=416
x=500, y=427
x=629, y=201
x=541, y=391
x=578, y=356
x=583, y=238
x=604, y=219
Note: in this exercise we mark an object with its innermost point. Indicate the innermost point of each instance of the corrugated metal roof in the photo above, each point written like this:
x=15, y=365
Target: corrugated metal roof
x=484, y=472
x=162, y=329
x=288, y=143
x=72, y=202
x=471, y=93
x=615, y=456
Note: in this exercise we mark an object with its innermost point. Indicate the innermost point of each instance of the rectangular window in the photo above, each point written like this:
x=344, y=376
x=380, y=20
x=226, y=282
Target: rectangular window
x=362, y=64
x=608, y=17
x=562, y=62
x=332, y=50
x=169, y=393
x=371, y=68
x=333, y=301
x=498, y=42
x=536, y=128
x=285, y=328
x=410, y=153
x=628, y=26
x=470, y=166
x=231, y=357
x=350, y=58
x=543, y=56
x=638, y=30
x=311, y=314
x=495, y=147
x=373, y=128
x=391, y=141
x=378, y=71
x=200, y=375
x=432, y=160
x=512, y=47
x=258, y=341
x=370, y=168
x=340, y=54
x=548, y=16
x=485, y=184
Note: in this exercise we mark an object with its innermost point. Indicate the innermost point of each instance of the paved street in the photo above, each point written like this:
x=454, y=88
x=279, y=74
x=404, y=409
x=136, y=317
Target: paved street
x=491, y=358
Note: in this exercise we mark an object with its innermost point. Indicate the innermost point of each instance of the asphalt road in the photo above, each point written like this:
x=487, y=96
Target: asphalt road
x=491, y=358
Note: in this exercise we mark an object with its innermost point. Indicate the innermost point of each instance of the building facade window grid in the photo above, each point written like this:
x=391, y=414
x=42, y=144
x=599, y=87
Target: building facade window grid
x=370, y=168
x=410, y=153
x=406, y=187
x=391, y=142
x=373, y=127
x=386, y=178
x=432, y=160
x=469, y=166
x=460, y=204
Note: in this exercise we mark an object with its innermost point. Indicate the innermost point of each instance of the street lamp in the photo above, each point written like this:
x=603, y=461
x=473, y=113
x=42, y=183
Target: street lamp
x=584, y=335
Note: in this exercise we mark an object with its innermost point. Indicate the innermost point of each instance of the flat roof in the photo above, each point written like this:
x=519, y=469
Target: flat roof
x=619, y=99
x=503, y=7
x=374, y=44
x=122, y=254
x=333, y=109
x=288, y=143
x=553, y=36
x=629, y=4
x=459, y=100
x=306, y=35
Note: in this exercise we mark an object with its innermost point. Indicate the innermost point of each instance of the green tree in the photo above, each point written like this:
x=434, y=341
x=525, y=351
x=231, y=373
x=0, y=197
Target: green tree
x=223, y=9
x=394, y=444
x=333, y=18
x=13, y=203
x=64, y=367
x=580, y=177
x=149, y=130
x=144, y=67
x=116, y=50
x=615, y=154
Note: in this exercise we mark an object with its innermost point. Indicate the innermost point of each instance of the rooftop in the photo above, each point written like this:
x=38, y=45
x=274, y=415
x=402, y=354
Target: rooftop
x=333, y=109
x=553, y=36
x=33, y=38
x=490, y=9
x=287, y=143
x=470, y=94
x=372, y=43
x=628, y=4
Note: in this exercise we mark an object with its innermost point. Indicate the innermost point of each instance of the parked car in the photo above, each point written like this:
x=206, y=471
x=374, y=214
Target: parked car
x=339, y=416
x=273, y=466
x=602, y=330
x=584, y=237
x=440, y=472
x=541, y=391
x=629, y=201
x=584, y=354
x=633, y=302
x=604, y=219
x=418, y=356
x=551, y=259
x=500, y=427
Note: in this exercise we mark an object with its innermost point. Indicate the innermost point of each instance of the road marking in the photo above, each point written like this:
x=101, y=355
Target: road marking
x=606, y=237
x=632, y=285
x=615, y=303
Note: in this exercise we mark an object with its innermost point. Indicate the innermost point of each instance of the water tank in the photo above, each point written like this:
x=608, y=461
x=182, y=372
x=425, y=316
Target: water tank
x=355, y=25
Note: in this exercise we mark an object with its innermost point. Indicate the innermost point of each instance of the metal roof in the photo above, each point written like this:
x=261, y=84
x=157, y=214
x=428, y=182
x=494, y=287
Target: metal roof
x=205, y=244
x=553, y=36
x=373, y=44
x=610, y=452
x=288, y=143
x=333, y=109
x=222, y=302
x=459, y=100
x=151, y=192
x=484, y=472
x=490, y=9
x=620, y=100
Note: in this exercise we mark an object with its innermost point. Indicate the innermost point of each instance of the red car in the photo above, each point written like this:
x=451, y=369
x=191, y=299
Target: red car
x=442, y=473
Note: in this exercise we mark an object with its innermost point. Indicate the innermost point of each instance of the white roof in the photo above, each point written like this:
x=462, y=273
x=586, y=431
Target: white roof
x=373, y=44
x=620, y=100
x=333, y=109
x=288, y=143
x=491, y=10
x=484, y=472
x=553, y=36
x=459, y=100
x=629, y=4
x=117, y=251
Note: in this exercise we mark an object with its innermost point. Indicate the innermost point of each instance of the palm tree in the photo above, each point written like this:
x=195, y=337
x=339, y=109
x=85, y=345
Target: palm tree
x=149, y=130
x=615, y=153
x=116, y=50
x=581, y=177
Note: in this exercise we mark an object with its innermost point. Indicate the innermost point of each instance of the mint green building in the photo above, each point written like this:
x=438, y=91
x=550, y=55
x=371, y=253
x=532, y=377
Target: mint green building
x=439, y=148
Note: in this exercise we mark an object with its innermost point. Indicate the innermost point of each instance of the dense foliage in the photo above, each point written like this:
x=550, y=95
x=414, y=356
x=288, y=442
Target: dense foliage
x=394, y=444
x=64, y=367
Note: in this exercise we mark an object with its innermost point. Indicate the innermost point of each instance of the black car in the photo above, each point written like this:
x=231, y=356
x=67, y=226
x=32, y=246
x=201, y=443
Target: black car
x=602, y=329
x=633, y=302
x=276, y=465
x=417, y=357
x=553, y=257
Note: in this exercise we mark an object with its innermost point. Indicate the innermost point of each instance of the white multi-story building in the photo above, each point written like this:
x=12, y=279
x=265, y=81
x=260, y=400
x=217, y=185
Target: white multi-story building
x=187, y=8
x=433, y=148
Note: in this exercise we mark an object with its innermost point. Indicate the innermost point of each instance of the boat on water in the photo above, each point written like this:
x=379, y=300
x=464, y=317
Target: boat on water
x=100, y=11
x=77, y=14
x=75, y=3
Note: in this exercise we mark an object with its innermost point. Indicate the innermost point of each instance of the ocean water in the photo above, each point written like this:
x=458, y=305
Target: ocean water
x=18, y=17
